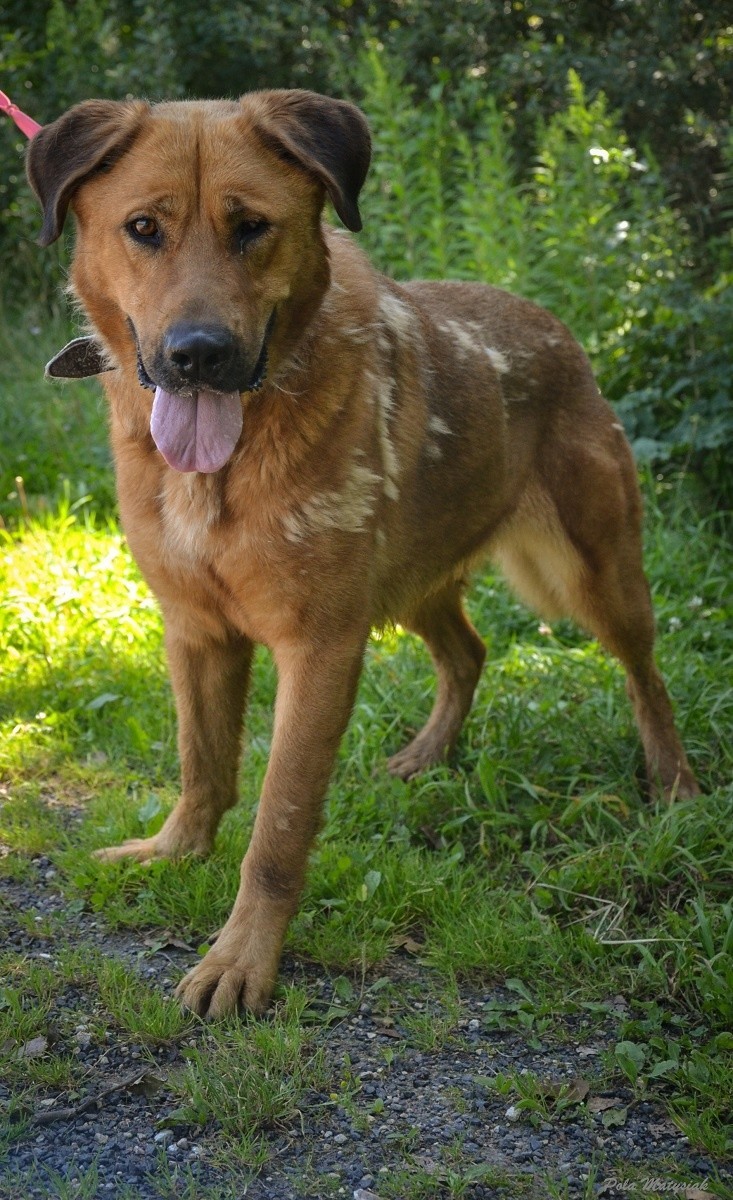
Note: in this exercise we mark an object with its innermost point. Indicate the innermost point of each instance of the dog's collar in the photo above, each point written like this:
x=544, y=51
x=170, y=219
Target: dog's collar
x=79, y=359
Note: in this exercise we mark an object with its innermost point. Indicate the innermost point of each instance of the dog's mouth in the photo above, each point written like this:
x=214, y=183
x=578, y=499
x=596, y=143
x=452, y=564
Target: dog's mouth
x=197, y=429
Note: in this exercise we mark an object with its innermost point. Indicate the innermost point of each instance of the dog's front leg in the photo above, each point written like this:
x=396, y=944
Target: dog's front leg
x=210, y=675
x=316, y=686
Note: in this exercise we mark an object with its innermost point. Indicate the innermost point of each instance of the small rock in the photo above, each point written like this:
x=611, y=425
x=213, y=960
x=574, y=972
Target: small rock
x=164, y=1137
x=513, y=1113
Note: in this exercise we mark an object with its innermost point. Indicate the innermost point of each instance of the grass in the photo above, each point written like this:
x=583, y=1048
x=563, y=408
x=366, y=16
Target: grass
x=532, y=860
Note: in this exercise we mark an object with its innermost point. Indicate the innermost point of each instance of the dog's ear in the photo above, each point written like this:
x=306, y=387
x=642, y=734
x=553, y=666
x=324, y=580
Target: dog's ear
x=79, y=359
x=329, y=138
x=88, y=138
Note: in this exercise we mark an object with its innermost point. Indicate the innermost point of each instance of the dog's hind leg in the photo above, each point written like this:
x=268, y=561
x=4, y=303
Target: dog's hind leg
x=458, y=654
x=576, y=551
x=618, y=611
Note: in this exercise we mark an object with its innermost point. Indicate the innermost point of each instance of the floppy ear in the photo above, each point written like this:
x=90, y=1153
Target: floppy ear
x=328, y=138
x=79, y=359
x=88, y=138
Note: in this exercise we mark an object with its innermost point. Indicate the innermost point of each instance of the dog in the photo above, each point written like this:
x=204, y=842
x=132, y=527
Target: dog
x=305, y=449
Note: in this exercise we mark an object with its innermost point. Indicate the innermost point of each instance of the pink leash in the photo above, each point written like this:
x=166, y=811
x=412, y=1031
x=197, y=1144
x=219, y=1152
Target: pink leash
x=25, y=123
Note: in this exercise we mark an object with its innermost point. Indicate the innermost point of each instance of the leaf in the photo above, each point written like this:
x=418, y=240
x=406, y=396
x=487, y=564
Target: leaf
x=516, y=985
x=343, y=988
x=577, y=1091
x=408, y=944
x=100, y=701
x=614, y=1116
x=186, y=1115
x=598, y=1104
x=150, y=809
x=165, y=941
x=33, y=1049
x=315, y=1016
x=663, y=1068
x=630, y=1057
x=573, y=1092
x=148, y=1084
x=372, y=880
x=649, y=449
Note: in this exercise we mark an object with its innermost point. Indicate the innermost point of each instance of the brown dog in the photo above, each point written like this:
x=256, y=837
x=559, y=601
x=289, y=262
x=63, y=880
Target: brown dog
x=324, y=451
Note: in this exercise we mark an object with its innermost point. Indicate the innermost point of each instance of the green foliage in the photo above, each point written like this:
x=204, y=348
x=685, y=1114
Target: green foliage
x=497, y=157
x=53, y=435
x=590, y=234
x=665, y=68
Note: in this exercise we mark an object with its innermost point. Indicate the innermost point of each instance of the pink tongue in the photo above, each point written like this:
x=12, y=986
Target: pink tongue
x=196, y=433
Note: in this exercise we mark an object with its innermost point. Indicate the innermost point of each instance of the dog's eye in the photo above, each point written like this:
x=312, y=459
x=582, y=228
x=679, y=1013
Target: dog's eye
x=144, y=229
x=247, y=232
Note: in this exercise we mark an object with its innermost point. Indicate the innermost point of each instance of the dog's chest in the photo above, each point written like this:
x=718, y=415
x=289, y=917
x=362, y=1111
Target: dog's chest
x=231, y=561
x=191, y=510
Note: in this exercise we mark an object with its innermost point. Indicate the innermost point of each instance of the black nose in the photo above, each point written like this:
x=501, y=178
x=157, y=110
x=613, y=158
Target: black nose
x=200, y=353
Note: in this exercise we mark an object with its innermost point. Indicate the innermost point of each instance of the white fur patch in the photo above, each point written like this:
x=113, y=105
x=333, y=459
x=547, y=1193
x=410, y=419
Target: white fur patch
x=463, y=336
x=438, y=425
x=348, y=510
x=499, y=361
x=358, y=335
x=383, y=395
x=190, y=507
x=397, y=315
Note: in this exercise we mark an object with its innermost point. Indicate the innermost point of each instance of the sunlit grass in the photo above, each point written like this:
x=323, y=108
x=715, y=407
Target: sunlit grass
x=75, y=623
x=532, y=856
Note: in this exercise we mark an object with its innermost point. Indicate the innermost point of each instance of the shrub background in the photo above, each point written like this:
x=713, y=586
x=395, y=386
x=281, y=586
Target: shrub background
x=576, y=152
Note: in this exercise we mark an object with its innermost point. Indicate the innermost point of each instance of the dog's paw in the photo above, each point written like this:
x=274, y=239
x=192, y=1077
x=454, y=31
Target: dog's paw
x=224, y=983
x=176, y=838
x=683, y=787
x=418, y=756
x=142, y=850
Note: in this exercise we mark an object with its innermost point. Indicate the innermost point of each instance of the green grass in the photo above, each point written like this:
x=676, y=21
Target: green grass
x=533, y=857
x=52, y=434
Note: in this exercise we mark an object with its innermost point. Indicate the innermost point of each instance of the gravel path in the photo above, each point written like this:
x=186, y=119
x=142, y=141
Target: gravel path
x=430, y=1112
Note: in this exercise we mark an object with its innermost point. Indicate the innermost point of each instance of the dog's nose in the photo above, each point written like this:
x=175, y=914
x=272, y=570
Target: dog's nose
x=200, y=353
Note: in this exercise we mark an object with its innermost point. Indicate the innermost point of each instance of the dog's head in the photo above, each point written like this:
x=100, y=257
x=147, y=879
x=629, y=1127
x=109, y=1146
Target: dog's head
x=199, y=249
